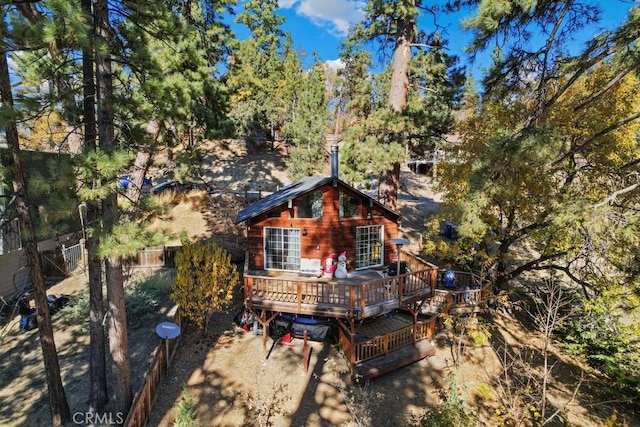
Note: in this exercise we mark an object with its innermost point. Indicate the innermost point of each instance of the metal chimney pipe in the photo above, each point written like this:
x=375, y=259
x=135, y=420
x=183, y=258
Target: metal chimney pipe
x=334, y=161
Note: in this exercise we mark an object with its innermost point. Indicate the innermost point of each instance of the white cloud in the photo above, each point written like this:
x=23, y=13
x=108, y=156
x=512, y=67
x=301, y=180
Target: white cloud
x=334, y=15
x=334, y=64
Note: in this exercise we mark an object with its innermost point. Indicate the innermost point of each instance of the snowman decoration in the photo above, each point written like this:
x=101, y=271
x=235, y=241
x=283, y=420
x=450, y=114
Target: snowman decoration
x=341, y=270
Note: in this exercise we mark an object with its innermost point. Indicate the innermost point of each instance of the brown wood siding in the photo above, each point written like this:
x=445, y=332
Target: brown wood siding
x=321, y=237
x=12, y=278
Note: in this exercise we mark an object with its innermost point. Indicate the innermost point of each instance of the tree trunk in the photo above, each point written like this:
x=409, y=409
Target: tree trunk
x=398, y=96
x=141, y=164
x=399, y=90
x=118, y=344
x=60, y=413
x=97, y=364
x=136, y=179
x=118, y=336
x=388, y=187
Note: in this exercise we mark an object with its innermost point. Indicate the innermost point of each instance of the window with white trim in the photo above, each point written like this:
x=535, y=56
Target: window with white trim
x=282, y=248
x=369, y=246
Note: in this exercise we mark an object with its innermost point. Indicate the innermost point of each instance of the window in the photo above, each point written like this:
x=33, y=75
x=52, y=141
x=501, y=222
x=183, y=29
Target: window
x=369, y=246
x=349, y=205
x=282, y=248
x=310, y=206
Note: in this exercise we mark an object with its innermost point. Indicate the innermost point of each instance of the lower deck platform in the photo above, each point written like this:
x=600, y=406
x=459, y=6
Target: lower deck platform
x=395, y=359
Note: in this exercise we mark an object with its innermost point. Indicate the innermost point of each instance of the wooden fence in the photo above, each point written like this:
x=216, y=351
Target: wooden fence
x=140, y=411
x=160, y=256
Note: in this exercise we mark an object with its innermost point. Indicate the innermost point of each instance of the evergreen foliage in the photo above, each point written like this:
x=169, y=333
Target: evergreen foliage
x=606, y=334
x=376, y=135
x=309, y=124
x=257, y=72
x=205, y=281
x=142, y=299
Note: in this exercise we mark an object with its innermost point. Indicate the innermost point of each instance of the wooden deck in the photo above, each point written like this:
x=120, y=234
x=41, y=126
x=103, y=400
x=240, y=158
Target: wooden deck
x=373, y=341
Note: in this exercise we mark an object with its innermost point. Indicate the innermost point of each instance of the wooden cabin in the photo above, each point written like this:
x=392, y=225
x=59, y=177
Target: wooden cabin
x=290, y=235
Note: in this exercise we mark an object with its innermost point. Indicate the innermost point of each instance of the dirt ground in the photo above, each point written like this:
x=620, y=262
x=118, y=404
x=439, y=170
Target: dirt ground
x=23, y=389
x=230, y=380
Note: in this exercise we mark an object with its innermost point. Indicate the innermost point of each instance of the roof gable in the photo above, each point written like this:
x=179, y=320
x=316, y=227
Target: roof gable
x=292, y=191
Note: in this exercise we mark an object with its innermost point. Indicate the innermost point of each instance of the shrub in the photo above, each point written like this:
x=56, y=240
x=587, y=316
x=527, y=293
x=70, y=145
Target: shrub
x=205, y=281
x=142, y=299
x=450, y=413
x=186, y=412
x=608, y=345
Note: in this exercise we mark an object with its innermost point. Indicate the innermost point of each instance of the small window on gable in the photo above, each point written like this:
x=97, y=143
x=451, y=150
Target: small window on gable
x=349, y=205
x=310, y=206
x=273, y=214
x=376, y=212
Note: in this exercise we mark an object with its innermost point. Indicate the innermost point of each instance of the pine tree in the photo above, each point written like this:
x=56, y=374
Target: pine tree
x=152, y=75
x=309, y=124
x=258, y=71
x=97, y=344
x=398, y=125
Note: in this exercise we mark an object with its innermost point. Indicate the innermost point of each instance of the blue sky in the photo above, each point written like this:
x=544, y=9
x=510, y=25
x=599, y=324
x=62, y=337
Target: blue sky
x=320, y=25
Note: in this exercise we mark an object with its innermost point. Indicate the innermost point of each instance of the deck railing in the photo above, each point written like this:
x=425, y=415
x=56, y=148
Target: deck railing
x=353, y=298
x=381, y=345
x=303, y=295
x=461, y=298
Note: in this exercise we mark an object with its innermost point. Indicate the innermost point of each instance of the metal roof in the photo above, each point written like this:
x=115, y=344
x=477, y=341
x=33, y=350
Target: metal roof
x=290, y=192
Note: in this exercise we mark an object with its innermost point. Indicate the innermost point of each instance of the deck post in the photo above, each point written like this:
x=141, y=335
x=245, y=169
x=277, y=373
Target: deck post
x=352, y=338
x=263, y=321
x=433, y=279
x=305, y=352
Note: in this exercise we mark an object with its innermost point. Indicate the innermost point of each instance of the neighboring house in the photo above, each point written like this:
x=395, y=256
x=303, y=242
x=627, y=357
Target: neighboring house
x=56, y=230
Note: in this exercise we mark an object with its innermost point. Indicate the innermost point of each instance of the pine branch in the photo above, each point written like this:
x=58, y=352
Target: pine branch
x=612, y=197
